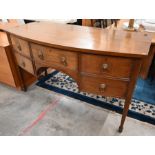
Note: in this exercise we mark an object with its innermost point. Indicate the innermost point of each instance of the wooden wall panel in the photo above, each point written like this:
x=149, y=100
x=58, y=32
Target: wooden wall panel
x=5, y=70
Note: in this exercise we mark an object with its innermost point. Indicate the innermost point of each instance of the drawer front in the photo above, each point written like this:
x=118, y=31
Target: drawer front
x=54, y=57
x=24, y=63
x=20, y=46
x=106, y=65
x=104, y=86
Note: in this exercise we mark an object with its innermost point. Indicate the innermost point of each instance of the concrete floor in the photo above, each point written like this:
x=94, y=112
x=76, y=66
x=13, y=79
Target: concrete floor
x=39, y=112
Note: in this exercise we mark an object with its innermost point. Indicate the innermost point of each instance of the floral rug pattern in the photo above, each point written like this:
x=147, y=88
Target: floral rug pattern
x=63, y=81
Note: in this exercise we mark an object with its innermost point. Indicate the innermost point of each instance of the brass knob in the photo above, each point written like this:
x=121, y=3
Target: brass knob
x=102, y=87
x=64, y=61
x=145, y=34
x=40, y=55
x=23, y=64
x=105, y=66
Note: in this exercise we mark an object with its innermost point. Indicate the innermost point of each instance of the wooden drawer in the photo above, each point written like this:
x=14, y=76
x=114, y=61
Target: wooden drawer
x=106, y=65
x=24, y=63
x=104, y=86
x=54, y=57
x=20, y=46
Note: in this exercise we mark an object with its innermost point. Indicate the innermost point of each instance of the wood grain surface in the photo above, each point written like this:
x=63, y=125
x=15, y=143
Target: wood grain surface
x=85, y=39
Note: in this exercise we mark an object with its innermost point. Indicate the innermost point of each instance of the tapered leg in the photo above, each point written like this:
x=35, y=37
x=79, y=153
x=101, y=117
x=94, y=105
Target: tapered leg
x=125, y=112
x=131, y=86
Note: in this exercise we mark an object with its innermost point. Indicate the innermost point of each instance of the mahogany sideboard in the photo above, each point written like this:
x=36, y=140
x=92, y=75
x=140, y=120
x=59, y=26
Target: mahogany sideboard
x=104, y=62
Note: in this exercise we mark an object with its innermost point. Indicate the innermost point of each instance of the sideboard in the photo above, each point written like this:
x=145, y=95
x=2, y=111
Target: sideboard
x=105, y=62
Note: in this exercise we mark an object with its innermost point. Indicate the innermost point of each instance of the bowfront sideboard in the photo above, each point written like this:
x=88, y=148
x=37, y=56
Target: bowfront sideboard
x=104, y=62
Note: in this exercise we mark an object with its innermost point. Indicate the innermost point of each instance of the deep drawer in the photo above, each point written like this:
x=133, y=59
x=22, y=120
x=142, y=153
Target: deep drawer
x=104, y=86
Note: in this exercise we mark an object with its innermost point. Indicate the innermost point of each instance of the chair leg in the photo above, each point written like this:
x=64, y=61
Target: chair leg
x=92, y=22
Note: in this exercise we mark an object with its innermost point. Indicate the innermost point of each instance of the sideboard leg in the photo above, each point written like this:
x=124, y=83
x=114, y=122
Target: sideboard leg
x=23, y=86
x=131, y=86
x=125, y=112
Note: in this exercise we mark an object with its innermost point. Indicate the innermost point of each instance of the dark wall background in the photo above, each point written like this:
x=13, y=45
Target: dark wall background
x=79, y=21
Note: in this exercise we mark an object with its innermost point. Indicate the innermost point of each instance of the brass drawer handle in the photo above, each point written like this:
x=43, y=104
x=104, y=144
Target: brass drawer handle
x=40, y=55
x=23, y=64
x=102, y=87
x=64, y=61
x=105, y=66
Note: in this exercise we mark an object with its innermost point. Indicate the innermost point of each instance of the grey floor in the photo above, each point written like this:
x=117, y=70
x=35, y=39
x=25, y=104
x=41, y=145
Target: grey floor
x=39, y=112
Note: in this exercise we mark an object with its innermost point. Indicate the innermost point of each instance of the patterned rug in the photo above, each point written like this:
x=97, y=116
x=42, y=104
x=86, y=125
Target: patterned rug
x=62, y=83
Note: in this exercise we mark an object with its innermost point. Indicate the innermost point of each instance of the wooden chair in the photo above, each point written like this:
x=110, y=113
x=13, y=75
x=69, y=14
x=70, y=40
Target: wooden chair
x=102, y=23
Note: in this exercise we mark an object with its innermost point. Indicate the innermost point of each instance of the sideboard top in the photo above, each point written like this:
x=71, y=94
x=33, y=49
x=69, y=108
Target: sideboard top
x=85, y=39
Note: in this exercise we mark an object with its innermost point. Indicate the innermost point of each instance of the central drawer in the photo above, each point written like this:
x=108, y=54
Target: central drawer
x=104, y=86
x=106, y=65
x=54, y=57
